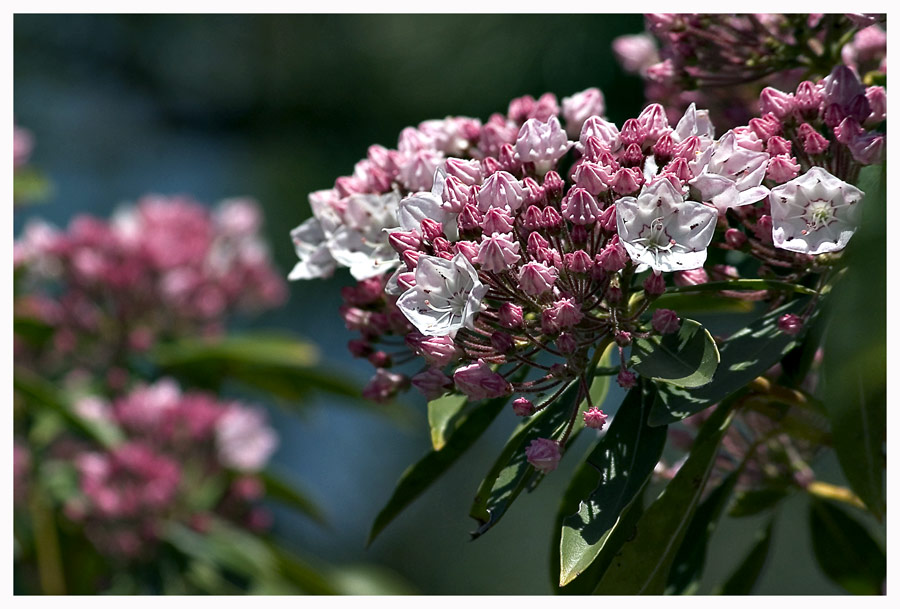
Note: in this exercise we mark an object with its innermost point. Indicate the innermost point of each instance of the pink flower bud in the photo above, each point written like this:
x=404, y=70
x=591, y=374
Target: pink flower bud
x=532, y=219
x=543, y=454
x=653, y=122
x=566, y=343
x=813, y=142
x=868, y=148
x=578, y=261
x=808, y=100
x=605, y=132
x=662, y=73
x=833, y=115
x=411, y=259
x=626, y=379
x=500, y=189
x=438, y=351
x=763, y=229
x=745, y=137
x=847, y=131
x=479, y=382
x=536, y=243
x=665, y=321
x=608, y=219
x=502, y=342
x=520, y=108
x=497, y=252
x=431, y=230
x=380, y=359
x=626, y=181
x=777, y=102
x=632, y=133
x=537, y=278
x=510, y=315
x=523, y=407
x=766, y=126
x=553, y=186
x=497, y=220
x=406, y=280
x=594, y=418
x=469, y=249
x=654, y=284
x=441, y=247
x=592, y=177
x=696, y=276
x=552, y=220
x=623, y=338
x=878, y=104
x=490, y=165
x=663, y=149
x=384, y=385
x=782, y=168
x=613, y=257
x=404, y=240
x=734, y=238
x=579, y=107
x=467, y=172
x=635, y=53
x=534, y=192
x=470, y=218
x=859, y=108
x=508, y=159
x=565, y=313
x=680, y=168
x=633, y=156
x=456, y=194
x=790, y=324
x=580, y=207
x=541, y=143
x=778, y=145
x=432, y=383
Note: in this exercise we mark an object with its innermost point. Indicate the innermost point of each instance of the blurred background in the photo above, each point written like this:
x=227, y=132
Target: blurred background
x=274, y=107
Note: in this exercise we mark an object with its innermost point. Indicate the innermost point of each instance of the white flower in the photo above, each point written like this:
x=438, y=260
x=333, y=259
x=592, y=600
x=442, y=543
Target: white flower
x=446, y=297
x=416, y=207
x=729, y=175
x=814, y=213
x=695, y=122
x=662, y=230
x=243, y=440
x=360, y=243
x=311, y=246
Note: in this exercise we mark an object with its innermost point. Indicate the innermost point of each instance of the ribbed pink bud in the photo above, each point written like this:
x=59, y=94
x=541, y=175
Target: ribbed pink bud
x=456, y=194
x=543, y=454
x=497, y=220
x=566, y=343
x=608, y=219
x=842, y=87
x=411, y=259
x=497, y=252
x=623, y=338
x=654, y=284
x=380, y=359
x=523, y=407
x=627, y=181
x=594, y=418
x=681, y=169
x=808, y=99
x=777, y=102
x=536, y=243
x=578, y=261
x=469, y=249
x=763, y=229
x=541, y=143
x=813, y=141
x=593, y=148
x=553, y=186
x=734, y=238
x=467, y=172
x=580, y=207
x=692, y=277
x=431, y=229
x=859, y=108
x=833, y=115
x=552, y=220
x=632, y=133
x=404, y=240
x=432, y=383
x=847, y=131
x=406, y=280
x=778, y=145
x=502, y=342
x=360, y=348
x=790, y=324
x=532, y=219
x=782, y=168
x=441, y=246
x=510, y=315
x=745, y=137
x=479, y=382
x=688, y=148
x=469, y=218
x=534, y=192
x=490, y=165
x=868, y=148
x=382, y=158
x=609, y=161
x=565, y=312
x=878, y=104
x=500, y=189
x=384, y=385
x=438, y=351
x=613, y=257
x=663, y=149
x=665, y=321
x=633, y=156
x=606, y=133
x=508, y=159
x=626, y=379
x=579, y=107
x=653, y=121
x=520, y=108
x=593, y=177
x=766, y=126
x=537, y=278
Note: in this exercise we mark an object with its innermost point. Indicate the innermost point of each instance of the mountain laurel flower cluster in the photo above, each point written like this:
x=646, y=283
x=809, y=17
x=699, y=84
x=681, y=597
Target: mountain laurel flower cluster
x=173, y=445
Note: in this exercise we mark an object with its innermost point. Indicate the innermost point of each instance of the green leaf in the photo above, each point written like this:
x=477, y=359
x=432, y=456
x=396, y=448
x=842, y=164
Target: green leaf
x=420, y=475
x=854, y=373
x=755, y=501
x=687, y=569
x=32, y=330
x=687, y=358
x=30, y=186
x=642, y=565
x=845, y=551
x=701, y=303
x=441, y=413
x=616, y=470
x=743, y=357
x=279, y=490
x=745, y=576
x=277, y=364
x=742, y=284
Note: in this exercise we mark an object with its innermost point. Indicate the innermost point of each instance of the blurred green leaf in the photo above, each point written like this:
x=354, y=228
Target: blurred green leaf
x=441, y=413
x=755, y=501
x=701, y=303
x=278, y=489
x=845, y=551
x=32, y=330
x=687, y=569
x=60, y=480
x=422, y=474
x=642, y=565
x=742, y=284
x=368, y=580
x=854, y=374
x=613, y=474
x=745, y=576
x=687, y=358
x=744, y=356
x=30, y=186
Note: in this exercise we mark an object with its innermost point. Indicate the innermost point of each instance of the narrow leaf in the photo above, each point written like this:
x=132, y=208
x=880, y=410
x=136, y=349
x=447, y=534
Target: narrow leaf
x=616, y=470
x=745, y=576
x=279, y=490
x=755, y=501
x=642, y=566
x=687, y=358
x=441, y=413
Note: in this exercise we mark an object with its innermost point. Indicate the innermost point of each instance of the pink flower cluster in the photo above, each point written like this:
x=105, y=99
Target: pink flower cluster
x=173, y=444
x=165, y=267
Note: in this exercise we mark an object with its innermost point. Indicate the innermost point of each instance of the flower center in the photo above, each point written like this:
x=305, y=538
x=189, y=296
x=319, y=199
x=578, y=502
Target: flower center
x=818, y=214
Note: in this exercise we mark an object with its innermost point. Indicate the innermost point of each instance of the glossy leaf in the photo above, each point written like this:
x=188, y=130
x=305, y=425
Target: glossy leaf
x=743, y=357
x=643, y=563
x=845, y=551
x=744, y=577
x=422, y=474
x=854, y=372
x=615, y=471
x=687, y=358
x=278, y=489
x=755, y=501
x=684, y=578
x=694, y=304
x=441, y=413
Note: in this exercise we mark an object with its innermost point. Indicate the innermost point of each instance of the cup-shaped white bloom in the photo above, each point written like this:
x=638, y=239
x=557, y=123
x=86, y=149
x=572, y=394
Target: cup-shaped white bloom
x=361, y=242
x=662, y=230
x=814, y=213
x=446, y=297
x=695, y=122
x=316, y=260
x=729, y=175
x=416, y=207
